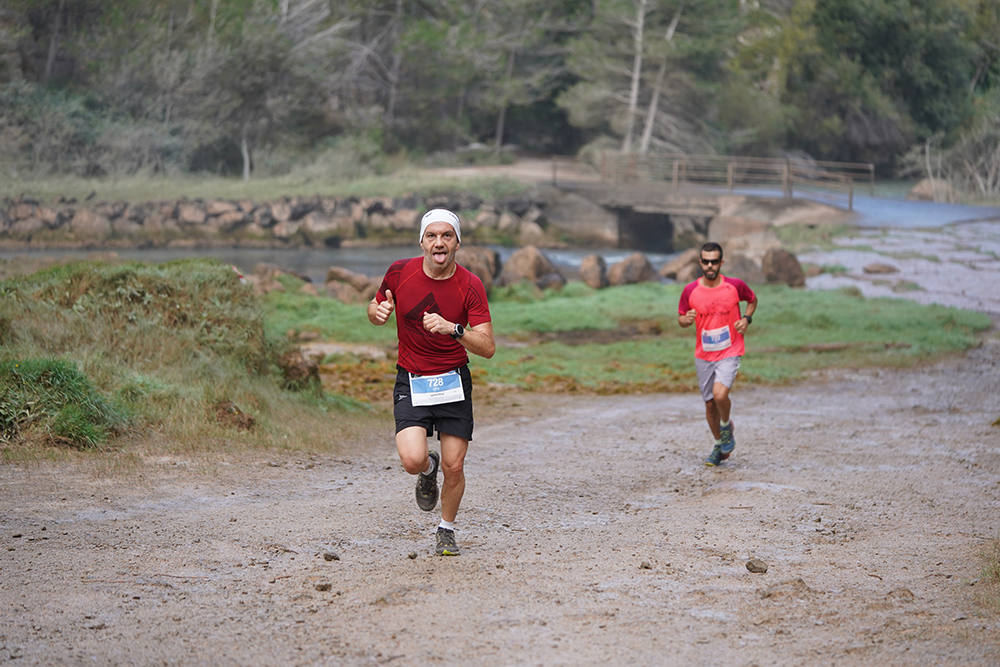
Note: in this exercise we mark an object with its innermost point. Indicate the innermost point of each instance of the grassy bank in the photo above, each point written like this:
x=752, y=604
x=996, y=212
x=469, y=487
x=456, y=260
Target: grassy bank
x=97, y=355
x=184, y=357
x=138, y=189
x=626, y=339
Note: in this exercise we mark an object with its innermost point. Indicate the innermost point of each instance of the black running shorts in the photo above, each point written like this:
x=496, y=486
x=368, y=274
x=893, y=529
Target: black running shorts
x=451, y=418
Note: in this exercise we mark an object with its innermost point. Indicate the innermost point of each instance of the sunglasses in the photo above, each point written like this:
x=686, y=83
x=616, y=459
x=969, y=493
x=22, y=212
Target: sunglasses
x=710, y=262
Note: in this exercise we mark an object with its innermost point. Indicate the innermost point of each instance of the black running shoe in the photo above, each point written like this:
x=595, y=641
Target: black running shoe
x=716, y=457
x=427, y=486
x=446, y=543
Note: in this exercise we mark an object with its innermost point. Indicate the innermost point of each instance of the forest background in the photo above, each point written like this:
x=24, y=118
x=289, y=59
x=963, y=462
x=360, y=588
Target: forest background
x=338, y=89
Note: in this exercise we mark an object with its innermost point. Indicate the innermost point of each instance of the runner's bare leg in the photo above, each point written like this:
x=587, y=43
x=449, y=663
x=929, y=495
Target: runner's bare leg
x=411, y=444
x=453, y=450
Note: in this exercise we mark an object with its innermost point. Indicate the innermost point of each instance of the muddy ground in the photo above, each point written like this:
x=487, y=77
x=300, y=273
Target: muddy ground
x=591, y=531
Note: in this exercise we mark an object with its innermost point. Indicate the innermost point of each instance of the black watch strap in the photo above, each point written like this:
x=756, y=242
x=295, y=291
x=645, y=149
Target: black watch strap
x=749, y=319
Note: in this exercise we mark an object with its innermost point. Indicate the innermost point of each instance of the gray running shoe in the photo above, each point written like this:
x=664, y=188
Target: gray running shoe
x=716, y=457
x=727, y=439
x=427, y=486
x=446, y=543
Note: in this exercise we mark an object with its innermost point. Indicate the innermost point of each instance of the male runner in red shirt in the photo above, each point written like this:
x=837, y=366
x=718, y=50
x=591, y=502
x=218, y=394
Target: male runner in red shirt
x=441, y=315
x=712, y=304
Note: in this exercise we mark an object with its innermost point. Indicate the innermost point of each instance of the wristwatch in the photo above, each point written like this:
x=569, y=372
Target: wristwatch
x=458, y=332
x=749, y=319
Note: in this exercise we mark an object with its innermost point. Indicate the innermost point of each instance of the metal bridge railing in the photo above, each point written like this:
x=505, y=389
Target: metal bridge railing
x=788, y=174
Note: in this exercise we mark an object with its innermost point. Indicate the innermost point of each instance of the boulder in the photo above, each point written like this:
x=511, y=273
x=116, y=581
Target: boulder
x=531, y=264
x=285, y=229
x=689, y=273
x=724, y=228
x=508, y=223
x=219, y=206
x=633, y=269
x=404, y=219
x=88, y=224
x=280, y=211
x=50, y=217
x=531, y=233
x=781, y=266
x=594, y=271
x=689, y=231
x=933, y=189
x=682, y=264
x=158, y=223
x=125, y=227
x=22, y=211
x=581, y=218
x=337, y=274
x=264, y=278
x=191, y=214
x=318, y=228
x=486, y=218
x=229, y=220
x=346, y=292
x=880, y=268
x=26, y=227
x=483, y=262
x=740, y=266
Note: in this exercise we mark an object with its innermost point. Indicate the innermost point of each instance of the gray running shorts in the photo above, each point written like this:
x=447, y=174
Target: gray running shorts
x=709, y=372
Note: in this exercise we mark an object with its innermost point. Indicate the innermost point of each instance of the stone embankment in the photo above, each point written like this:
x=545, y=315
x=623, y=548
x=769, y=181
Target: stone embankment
x=532, y=223
x=288, y=222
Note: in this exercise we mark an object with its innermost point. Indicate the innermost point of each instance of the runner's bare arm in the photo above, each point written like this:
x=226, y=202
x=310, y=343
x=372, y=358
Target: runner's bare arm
x=687, y=319
x=477, y=339
x=742, y=323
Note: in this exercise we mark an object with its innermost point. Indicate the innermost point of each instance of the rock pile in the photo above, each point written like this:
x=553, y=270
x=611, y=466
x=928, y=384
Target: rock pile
x=290, y=221
x=530, y=265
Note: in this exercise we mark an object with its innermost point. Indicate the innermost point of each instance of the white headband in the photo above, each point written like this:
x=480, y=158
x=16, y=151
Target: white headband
x=440, y=215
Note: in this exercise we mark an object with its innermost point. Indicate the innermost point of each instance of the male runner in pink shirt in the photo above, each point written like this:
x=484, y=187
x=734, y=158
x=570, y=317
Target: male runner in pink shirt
x=712, y=304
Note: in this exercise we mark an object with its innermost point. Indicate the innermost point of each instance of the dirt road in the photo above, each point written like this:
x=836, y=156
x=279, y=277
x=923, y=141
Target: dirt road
x=591, y=534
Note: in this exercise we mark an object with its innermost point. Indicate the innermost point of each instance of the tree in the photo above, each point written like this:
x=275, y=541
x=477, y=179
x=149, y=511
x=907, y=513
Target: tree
x=267, y=75
x=679, y=98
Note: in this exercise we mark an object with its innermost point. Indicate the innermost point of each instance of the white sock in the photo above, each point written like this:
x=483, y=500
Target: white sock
x=430, y=467
x=448, y=525
x=724, y=424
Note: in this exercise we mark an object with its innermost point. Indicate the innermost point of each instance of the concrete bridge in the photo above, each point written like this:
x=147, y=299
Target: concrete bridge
x=667, y=203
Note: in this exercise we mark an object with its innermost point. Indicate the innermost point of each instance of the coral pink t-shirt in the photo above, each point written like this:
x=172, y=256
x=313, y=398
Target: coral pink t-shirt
x=717, y=310
x=460, y=299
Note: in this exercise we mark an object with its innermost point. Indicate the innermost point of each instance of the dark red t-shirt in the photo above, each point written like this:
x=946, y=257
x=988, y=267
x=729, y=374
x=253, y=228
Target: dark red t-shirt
x=460, y=299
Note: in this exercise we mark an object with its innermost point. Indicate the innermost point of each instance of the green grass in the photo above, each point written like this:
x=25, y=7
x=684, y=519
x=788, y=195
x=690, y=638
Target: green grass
x=97, y=354
x=627, y=339
x=794, y=332
x=309, y=183
x=101, y=355
x=53, y=399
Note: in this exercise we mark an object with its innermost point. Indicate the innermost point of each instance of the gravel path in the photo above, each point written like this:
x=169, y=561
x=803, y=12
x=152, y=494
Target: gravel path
x=591, y=533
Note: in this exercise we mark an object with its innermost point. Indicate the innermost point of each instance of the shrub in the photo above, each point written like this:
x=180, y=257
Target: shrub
x=53, y=399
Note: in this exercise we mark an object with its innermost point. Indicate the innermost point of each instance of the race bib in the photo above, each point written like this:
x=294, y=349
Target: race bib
x=436, y=389
x=713, y=340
